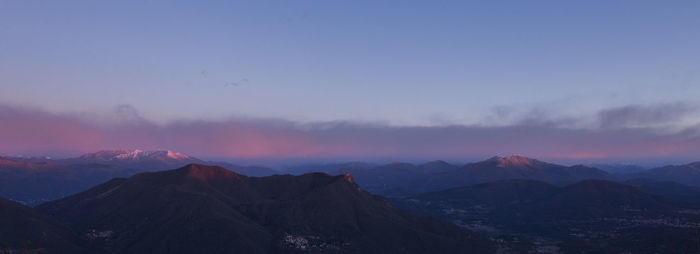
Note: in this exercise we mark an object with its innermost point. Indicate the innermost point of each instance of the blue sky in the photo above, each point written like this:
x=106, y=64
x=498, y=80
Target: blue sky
x=352, y=78
x=401, y=62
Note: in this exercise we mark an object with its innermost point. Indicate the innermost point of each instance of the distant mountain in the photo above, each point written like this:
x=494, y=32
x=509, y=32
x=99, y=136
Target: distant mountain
x=7, y=164
x=135, y=159
x=148, y=161
x=688, y=174
x=403, y=179
x=29, y=159
x=438, y=166
x=255, y=171
x=32, y=181
x=512, y=167
x=590, y=216
x=329, y=168
x=24, y=230
x=204, y=209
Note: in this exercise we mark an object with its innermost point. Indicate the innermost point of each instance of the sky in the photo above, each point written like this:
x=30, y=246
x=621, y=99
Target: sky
x=352, y=79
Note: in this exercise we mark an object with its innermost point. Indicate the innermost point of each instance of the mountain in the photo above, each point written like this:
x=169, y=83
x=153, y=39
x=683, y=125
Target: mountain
x=329, y=168
x=27, y=231
x=205, y=209
x=688, y=174
x=437, y=166
x=7, y=164
x=595, y=216
x=32, y=181
x=135, y=159
x=143, y=161
x=512, y=167
x=404, y=179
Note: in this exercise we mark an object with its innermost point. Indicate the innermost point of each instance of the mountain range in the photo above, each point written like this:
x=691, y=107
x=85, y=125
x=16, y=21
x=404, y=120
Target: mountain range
x=134, y=159
x=401, y=179
x=36, y=180
x=205, y=209
x=688, y=174
x=508, y=204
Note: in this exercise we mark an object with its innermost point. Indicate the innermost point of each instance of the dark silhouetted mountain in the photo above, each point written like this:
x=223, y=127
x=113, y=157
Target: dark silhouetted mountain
x=598, y=199
x=23, y=230
x=688, y=174
x=590, y=216
x=204, y=209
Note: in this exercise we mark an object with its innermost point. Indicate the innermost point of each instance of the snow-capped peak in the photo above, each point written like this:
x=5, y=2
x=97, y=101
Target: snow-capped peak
x=177, y=156
x=137, y=154
x=514, y=160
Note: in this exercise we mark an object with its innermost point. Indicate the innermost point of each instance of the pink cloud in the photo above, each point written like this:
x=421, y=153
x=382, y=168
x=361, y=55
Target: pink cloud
x=35, y=132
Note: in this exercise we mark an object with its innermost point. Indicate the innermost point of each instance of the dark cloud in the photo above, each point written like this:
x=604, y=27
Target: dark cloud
x=125, y=113
x=643, y=115
x=243, y=81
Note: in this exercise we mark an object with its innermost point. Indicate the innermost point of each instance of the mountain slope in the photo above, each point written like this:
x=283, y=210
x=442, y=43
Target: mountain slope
x=203, y=209
x=597, y=199
x=24, y=229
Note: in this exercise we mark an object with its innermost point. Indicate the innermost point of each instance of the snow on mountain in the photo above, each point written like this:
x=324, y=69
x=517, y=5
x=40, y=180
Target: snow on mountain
x=135, y=155
x=514, y=161
x=136, y=159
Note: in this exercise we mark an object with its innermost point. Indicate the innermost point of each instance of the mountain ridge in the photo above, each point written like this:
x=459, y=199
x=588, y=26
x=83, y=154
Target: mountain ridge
x=259, y=214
